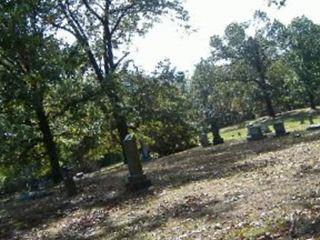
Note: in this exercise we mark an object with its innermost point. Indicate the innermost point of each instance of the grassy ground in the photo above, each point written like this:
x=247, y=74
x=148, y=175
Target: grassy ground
x=267, y=189
x=292, y=122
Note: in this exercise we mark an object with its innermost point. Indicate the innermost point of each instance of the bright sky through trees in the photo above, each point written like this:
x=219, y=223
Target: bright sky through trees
x=209, y=17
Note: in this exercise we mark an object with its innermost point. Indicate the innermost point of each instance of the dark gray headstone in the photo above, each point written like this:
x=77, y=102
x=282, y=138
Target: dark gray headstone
x=136, y=180
x=254, y=133
x=279, y=128
x=69, y=184
x=203, y=138
x=311, y=114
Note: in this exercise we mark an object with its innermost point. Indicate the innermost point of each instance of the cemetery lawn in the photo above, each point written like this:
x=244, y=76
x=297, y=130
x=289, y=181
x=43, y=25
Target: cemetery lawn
x=268, y=189
x=291, y=119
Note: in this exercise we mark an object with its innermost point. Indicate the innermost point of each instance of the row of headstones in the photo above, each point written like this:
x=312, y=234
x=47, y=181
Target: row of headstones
x=137, y=179
x=255, y=132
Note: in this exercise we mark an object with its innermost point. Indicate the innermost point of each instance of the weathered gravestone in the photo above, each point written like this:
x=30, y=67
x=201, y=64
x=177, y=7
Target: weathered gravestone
x=203, y=138
x=69, y=184
x=212, y=120
x=279, y=129
x=145, y=152
x=217, y=139
x=136, y=180
x=254, y=133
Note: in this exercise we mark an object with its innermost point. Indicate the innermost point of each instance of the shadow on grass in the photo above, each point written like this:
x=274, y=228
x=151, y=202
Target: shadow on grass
x=220, y=161
x=108, y=191
x=189, y=208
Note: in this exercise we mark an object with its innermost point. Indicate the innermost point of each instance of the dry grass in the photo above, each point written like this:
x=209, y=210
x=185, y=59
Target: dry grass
x=258, y=190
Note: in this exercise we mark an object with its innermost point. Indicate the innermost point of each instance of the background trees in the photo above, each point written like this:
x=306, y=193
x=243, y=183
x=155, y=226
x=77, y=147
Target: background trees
x=254, y=53
x=259, y=67
x=301, y=42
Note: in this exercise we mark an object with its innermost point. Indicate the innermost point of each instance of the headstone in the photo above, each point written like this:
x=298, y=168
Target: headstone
x=213, y=122
x=254, y=133
x=145, y=152
x=69, y=184
x=203, y=138
x=217, y=139
x=136, y=180
x=279, y=128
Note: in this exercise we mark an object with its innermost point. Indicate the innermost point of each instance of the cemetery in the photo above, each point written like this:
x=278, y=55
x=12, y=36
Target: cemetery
x=162, y=119
x=248, y=188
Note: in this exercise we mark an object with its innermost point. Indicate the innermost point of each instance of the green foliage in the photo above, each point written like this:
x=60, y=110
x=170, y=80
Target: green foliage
x=258, y=67
x=301, y=40
x=162, y=108
x=53, y=110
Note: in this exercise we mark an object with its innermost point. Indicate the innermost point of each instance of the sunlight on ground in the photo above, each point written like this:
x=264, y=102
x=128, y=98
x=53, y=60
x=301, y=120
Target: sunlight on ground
x=292, y=122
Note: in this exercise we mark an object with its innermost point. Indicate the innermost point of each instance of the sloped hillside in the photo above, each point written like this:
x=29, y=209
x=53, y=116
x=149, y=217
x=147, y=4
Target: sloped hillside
x=269, y=189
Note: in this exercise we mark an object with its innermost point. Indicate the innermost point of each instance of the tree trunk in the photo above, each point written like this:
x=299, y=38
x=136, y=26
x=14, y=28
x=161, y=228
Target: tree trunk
x=123, y=131
x=121, y=123
x=266, y=97
x=269, y=106
x=311, y=100
x=48, y=140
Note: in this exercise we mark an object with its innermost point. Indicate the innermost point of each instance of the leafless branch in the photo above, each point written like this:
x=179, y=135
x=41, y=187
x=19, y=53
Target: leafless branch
x=92, y=11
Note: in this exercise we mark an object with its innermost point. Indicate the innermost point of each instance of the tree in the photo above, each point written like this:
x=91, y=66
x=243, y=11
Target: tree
x=254, y=54
x=301, y=40
x=33, y=63
x=161, y=108
x=104, y=29
x=24, y=50
x=214, y=87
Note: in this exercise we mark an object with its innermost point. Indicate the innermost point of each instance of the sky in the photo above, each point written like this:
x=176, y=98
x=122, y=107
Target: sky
x=207, y=17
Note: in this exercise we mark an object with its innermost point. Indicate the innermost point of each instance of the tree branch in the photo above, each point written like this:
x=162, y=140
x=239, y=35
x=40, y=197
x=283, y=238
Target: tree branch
x=92, y=11
x=74, y=102
x=120, y=60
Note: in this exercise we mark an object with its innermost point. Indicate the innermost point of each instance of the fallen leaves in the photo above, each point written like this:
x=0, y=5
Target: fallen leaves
x=260, y=190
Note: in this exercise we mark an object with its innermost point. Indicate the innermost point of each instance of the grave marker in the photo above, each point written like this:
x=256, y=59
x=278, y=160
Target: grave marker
x=136, y=180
